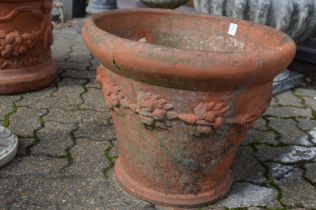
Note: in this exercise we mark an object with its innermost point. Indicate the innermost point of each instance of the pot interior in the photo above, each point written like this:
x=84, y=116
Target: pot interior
x=189, y=31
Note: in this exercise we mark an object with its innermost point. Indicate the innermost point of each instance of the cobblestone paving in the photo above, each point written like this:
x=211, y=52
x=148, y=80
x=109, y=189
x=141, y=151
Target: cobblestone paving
x=67, y=146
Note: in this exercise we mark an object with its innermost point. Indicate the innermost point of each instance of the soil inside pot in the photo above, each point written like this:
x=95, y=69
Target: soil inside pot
x=206, y=43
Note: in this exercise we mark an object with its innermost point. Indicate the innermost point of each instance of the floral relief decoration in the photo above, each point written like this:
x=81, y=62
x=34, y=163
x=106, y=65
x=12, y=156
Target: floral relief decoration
x=156, y=112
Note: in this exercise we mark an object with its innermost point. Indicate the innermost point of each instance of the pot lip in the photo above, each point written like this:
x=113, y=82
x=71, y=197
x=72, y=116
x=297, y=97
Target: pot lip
x=203, y=68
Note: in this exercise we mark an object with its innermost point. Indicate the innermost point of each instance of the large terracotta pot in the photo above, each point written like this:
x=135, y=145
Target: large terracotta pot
x=25, y=40
x=182, y=96
x=294, y=17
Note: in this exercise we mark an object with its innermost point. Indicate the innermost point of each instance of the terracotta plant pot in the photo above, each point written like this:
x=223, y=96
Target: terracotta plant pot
x=182, y=93
x=25, y=40
x=167, y=4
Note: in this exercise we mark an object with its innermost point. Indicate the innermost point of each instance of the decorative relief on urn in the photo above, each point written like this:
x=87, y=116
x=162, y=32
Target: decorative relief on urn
x=25, y=39
x=207, y=117
x=179, y=113
x=156, y=112
x=15, y=43
x=152, y=109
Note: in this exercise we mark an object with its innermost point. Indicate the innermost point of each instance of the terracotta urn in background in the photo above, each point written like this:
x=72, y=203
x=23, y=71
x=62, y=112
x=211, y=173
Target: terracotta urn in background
x=183, y=90
x=25, y=40
x=294, y=17
x=167, y=4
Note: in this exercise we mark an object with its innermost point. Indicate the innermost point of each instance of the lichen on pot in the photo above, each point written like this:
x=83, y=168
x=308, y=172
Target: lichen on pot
x=183, y=90
x=294, y=17
x=168, y=4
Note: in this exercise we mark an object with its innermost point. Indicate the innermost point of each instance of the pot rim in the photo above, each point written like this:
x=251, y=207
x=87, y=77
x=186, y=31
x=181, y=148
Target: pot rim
x=207, y=66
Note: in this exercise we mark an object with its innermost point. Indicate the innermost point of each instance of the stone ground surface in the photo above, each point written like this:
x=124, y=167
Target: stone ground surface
x=67, y=146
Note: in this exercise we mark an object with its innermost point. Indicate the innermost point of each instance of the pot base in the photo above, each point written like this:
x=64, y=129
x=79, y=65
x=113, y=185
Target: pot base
x=190, y=200
x=27, y=79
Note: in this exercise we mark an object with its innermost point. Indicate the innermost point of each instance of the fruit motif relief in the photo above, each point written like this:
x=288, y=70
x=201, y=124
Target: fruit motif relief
x=15, y=44
x=207, y=117
x=156, y=112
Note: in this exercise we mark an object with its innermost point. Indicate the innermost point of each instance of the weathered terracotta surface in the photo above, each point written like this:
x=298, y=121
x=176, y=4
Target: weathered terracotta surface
x=25, y=40
x=182, y=96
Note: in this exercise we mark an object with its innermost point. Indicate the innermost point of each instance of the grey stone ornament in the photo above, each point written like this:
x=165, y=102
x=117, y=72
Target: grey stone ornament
x=297, y=18
x=8, y=145
x=96, y=6
x=286, y=80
